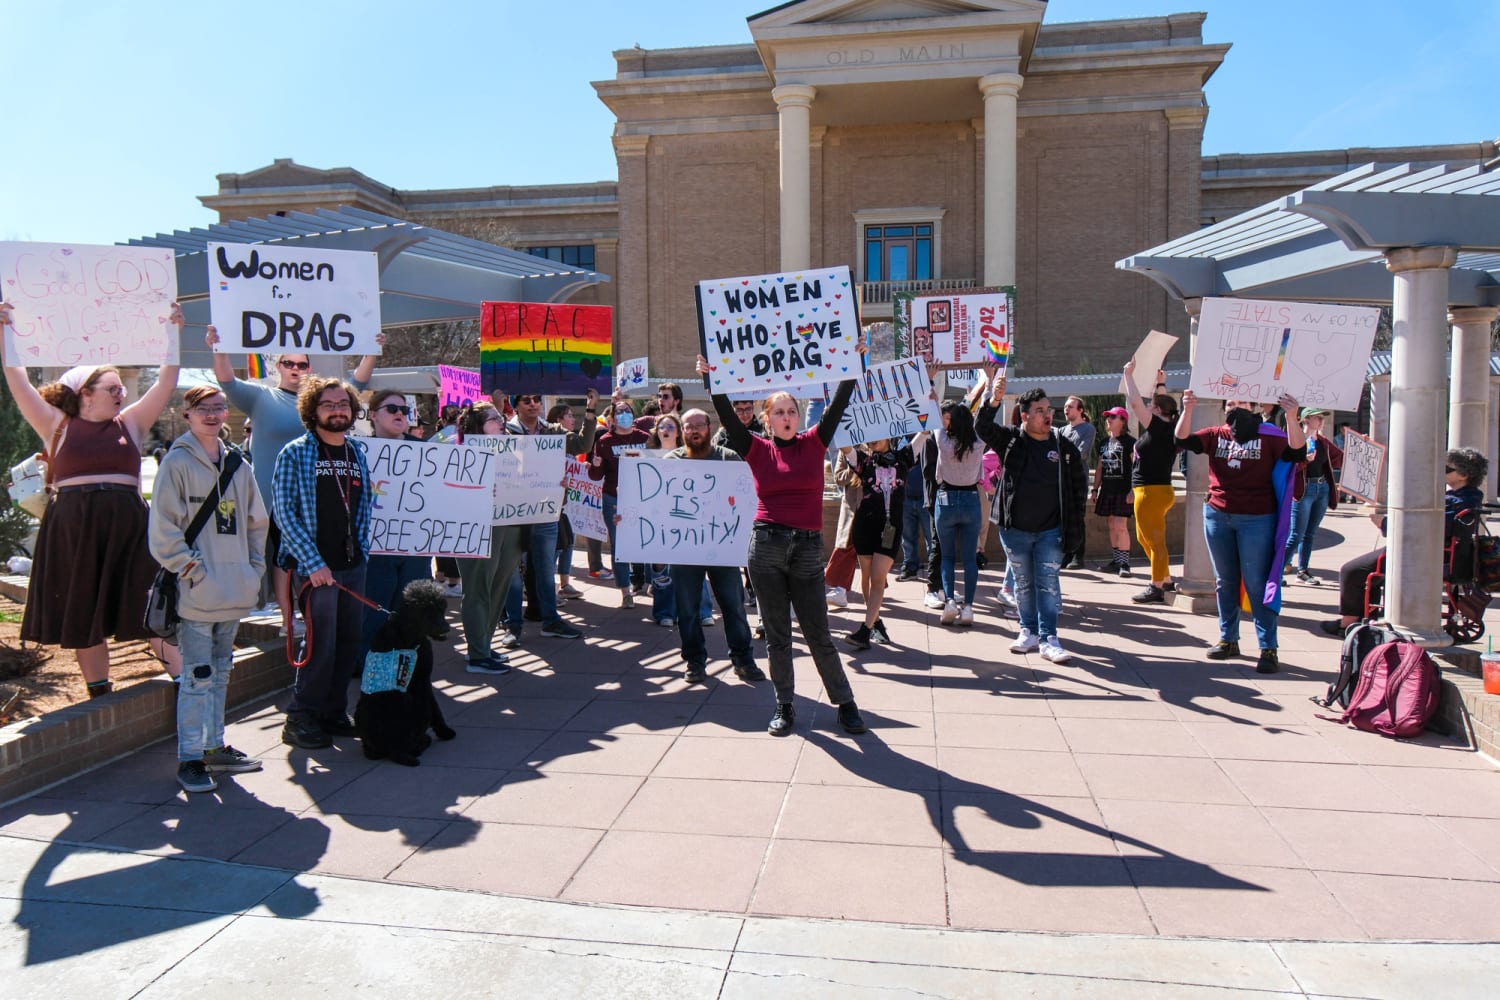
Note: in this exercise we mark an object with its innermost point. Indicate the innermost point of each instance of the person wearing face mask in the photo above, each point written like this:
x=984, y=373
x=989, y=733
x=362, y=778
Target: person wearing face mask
x=1247, y=516
x=604, y=464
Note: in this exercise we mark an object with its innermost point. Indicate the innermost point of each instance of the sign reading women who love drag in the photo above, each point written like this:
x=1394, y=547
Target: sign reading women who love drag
x=293, y=300
x=771, y=331
x=79, y=304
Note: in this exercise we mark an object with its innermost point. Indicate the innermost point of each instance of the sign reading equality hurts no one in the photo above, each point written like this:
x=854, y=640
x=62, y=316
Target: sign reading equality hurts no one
x=685, y=511
x=78, y=304
x=429, y=499
x=293, y=300
x=771, y=331
x=528, y=477
x=891, y=400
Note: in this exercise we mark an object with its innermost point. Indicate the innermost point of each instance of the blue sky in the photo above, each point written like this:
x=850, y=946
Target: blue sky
x=119, y=115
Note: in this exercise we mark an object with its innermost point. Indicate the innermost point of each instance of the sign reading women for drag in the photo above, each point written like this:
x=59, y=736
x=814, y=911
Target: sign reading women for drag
x=1259, y=350
x=892, y=400
x=457, y=386
x=694, y=512
x=529, y=479
x=430, y=499
x=77, y=304
x=1364, y=462
x=772, y=331
x=293, y=300
x=583, y=501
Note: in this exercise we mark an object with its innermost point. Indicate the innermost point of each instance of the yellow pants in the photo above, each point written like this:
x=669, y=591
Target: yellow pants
x=1151, y=506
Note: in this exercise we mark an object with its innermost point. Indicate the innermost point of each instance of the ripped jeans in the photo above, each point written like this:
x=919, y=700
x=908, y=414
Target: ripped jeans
x=207, y=656
x=1036, y=556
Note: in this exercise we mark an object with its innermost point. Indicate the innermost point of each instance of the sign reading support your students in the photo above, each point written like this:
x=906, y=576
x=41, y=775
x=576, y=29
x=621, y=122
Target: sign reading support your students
x=99, y=305
x=293, y=300
x=694, y=512
x=429, y=499
x=529, y=480
x=893, y=400
x=773, y=331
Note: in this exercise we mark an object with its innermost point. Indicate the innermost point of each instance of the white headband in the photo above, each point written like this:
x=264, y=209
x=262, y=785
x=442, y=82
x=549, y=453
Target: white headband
x=77, y=378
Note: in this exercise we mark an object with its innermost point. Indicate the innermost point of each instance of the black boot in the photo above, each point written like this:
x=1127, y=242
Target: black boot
x=781, y=722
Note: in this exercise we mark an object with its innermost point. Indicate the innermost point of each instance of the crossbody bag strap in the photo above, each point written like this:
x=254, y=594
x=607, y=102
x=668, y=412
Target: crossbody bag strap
x=231, y=465
x=50, y=455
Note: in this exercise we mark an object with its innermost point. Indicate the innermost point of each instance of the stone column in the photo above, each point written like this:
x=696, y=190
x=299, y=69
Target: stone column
x=1196, y=584
x=1469, y=415
x=633, y=252
x=1000, y=90
x=794, y=104
x=1414, y=531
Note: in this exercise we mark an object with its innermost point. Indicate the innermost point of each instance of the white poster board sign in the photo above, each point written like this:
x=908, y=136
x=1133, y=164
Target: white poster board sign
x=1149, y=358
x=632, y=374
x=1364, y=467
x=77, y=304
x=966, y=329
x=891, y=400
x=583, y=501
x=684, y=511
x=278, y=299
x=773, y=331
x=429, y=499
x=529, y=476
x=1258, y=350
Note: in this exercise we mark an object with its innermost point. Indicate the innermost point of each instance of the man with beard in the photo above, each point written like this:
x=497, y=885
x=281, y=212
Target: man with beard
x=323, y=508
x=687, y=581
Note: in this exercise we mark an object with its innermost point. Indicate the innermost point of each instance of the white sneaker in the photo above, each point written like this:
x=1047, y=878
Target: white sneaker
x=837, y=597
x=966, y=614
x=950, y=613
x=708, y=620
x=1053, y=652
x=1006, y=597
x=1025, y=642
x=508, y=639
x=933, y=600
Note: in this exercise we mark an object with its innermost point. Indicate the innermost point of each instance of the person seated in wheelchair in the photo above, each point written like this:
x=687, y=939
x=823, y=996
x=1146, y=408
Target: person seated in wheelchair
x=1464, y=472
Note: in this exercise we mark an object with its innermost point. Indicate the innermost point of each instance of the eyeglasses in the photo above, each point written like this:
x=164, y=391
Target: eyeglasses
x=528, y=399
x=300, y=366
x=117, y=391
x=744, y=408
x=395, y=409
x=210, y=411
x=697, y=425
x=336, y=406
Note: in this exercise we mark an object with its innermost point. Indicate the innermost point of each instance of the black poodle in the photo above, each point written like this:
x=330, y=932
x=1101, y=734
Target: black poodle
x=397, y=704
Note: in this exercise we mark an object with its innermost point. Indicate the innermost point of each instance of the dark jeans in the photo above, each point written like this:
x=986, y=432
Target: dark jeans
x=934, y=556
x=916, y=527
x=787, y=569
x=725, y=580
x=335, y=625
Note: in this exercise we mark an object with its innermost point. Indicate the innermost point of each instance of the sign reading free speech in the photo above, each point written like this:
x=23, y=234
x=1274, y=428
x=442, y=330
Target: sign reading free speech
x=293, y=300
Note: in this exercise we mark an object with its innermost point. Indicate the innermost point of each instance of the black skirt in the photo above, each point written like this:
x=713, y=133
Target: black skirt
x=1115, y=505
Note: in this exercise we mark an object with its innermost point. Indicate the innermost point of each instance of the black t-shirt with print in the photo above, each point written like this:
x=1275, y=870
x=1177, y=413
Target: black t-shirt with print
x=1036, y=506
x=338, y=497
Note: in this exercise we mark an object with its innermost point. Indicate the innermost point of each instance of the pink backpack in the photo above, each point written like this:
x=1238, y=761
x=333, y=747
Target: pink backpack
x=1398, y=691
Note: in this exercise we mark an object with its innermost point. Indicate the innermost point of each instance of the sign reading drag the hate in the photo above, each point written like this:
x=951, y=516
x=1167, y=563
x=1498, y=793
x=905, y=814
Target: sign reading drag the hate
x=893, y=400
x=293, y=300
x=429, y=499
x=694, y=512
x=772, y=331
x=529, y=476
x=77, y=304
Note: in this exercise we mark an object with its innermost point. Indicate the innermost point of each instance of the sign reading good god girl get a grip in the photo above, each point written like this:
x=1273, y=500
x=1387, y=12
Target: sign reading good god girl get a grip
x=268, y=299
x=773, y=331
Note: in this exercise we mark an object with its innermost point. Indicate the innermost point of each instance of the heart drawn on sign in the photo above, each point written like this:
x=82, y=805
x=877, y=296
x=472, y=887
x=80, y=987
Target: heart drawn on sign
x=731, y=501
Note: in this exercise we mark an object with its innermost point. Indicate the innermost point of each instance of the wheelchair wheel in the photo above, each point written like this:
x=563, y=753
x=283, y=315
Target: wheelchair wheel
x=1462, y=628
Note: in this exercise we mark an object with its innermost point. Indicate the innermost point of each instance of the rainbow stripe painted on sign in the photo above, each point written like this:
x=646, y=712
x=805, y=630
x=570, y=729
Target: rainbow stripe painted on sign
x=1286, y=338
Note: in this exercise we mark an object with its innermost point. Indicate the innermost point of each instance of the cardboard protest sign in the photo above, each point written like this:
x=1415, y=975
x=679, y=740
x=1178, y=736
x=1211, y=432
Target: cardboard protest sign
x=77, y=304
x=457, y=386
x=892, y=400
x=1364, y=467
x=685, y=511
x=632, y=374
x=545, y=347
x=773, y=331
x=429, y=499
x=583, y=501
x=962, y=380
x=285, y=299
x=529, y=476
x=1258, y=350
x=967, y=328
x=1149, y=358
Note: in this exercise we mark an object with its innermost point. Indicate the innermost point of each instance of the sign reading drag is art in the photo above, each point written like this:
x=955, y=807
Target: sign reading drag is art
x=1364, y=466
x=583, y=501
x=773, y=331
x=78, y=304
x=545, y=347
x=457, y=386
x=429, y=499
x=696, y=512
x=957, y=329
x=528, y=477
x=1259, y=350
x=281, y=299
x=892, y=400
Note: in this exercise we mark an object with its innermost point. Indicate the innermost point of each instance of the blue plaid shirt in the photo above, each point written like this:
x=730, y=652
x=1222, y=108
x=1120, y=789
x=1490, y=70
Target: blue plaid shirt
x=294, y=489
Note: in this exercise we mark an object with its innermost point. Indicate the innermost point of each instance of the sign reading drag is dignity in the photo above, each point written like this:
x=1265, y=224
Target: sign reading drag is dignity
x=772, y=331
x=457, y=386
x=892, y=400
x=545, y=347
x=695, y=512
x=288, y=299
x=429, y=499
x=529, y=477
x=583, y=501
x=1259, y=350
x=78, y=304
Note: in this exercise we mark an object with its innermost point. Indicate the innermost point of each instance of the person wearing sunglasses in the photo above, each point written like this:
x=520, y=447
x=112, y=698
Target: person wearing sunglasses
x=668, y=403
x=274, y=410
x=386, y=576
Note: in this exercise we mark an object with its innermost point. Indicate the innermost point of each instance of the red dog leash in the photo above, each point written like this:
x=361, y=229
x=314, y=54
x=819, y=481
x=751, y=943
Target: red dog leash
x=307, y=641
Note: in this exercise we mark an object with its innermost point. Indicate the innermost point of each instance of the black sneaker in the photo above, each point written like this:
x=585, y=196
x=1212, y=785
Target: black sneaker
x=496, y=665
x=1334, y=628
x=750, y=675
x=879, y=634
x=781, y=722
x=981, y=560
x=696, y=673
x=306, y=734
x=1074, y=563
x=560, y=630
x=1224, y=650
x=859, y=638
x=1268, y=663
x=906, y=574
x=228, y=759
x=1170, y=587
x=193, y=776
x=849, y=718
x=1109, y=567
x=1123, y=568
x=531, y=615
x=1151, y=595
x=338, y=725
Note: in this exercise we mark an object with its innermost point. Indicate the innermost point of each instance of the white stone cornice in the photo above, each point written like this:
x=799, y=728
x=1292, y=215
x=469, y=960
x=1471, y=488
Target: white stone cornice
x=1419, y=258
x=1001, y=84
x=793, y=95
x=1464, y=315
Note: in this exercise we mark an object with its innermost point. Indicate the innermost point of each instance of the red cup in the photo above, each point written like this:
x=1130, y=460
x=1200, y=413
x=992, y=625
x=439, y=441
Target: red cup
x=1491, y=664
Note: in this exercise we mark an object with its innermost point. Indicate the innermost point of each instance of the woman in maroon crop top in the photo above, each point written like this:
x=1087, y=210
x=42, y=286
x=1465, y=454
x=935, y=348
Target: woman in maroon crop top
x=786, y=547
x=78, y=598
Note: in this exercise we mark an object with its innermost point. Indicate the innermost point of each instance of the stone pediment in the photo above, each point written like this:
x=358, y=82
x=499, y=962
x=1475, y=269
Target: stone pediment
x=816, y=12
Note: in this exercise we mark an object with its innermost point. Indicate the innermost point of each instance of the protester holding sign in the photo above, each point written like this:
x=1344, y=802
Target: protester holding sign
x=604, y=465
x=1111, y=492
x=786, y=546
x=1315, y=492
x=1151, y=479
x=92, y=566
x=956, y=509
x=486, y=582
x=387, y=575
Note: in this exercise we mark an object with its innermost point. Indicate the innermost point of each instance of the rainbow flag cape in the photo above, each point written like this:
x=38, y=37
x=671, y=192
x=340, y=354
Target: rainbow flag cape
x=1281, y=479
